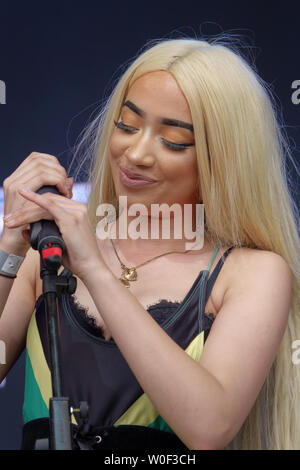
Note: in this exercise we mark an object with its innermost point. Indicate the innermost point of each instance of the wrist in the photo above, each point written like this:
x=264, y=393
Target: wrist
x=98, y=272
x=12, y=248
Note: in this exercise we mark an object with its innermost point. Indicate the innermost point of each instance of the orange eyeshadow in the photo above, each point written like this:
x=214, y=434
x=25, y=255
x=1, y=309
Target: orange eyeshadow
x=173, y=134
x=177, y=135
x=129, y=118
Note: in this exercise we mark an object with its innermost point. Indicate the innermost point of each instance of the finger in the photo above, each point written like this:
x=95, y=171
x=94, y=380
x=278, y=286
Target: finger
x=63, y=210
x=33, y=155
x=39, y=164
x=29, y=210
x=18, y=208
x=35, y=159
x=50, y=202
x=70, y=183
x=29, y=213
x=26, y=235
x=42, y=162
x=43, y=177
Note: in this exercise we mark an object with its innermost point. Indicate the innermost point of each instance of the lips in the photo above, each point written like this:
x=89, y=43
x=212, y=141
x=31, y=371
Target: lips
x=136, y=176
x=133, y=182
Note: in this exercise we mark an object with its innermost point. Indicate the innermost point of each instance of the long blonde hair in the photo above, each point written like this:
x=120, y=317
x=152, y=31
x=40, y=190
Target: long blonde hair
x=242, y=151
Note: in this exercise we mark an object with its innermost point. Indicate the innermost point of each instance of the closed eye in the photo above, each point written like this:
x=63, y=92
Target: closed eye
x=121, y=125
x=174, y=146
x=167, y=143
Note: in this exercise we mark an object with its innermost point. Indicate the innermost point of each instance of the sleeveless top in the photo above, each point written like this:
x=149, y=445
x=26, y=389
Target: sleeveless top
x=94, y=370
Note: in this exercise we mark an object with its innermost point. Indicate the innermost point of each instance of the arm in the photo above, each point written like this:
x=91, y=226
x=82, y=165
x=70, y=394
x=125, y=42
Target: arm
x=5, y=282
x=208, y=412
x=17, y=301
x=18, y=296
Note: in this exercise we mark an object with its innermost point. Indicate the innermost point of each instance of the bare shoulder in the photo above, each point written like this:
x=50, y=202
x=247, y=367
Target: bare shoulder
x=245, y=266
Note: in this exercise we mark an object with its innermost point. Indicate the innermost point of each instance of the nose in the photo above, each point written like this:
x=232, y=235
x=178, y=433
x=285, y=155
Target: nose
x=140, y=152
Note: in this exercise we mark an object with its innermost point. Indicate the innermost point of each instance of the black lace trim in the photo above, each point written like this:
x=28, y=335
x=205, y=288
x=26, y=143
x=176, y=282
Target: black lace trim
x=162, y=309
x=159, y=311
x=85, y=320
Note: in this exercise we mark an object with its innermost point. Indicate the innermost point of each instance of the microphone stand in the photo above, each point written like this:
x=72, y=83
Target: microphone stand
x=46, y=238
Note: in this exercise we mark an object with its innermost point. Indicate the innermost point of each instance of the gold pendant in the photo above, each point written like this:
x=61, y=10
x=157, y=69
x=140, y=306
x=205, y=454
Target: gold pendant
x=126, y=283
x=129, y=274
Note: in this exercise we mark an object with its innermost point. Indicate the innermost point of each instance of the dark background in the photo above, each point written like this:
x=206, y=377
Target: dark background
x=59, y=60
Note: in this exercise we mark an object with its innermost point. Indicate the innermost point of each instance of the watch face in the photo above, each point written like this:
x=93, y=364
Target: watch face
x=9, y=263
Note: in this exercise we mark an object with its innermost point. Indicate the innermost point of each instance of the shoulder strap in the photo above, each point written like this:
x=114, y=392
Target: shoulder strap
x=213, y=257
x=214, y=275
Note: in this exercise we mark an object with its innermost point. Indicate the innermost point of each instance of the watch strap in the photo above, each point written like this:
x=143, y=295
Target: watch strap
x=10, y=263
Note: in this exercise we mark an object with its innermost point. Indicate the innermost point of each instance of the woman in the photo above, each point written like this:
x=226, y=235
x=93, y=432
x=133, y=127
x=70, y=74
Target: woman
x=196, y=119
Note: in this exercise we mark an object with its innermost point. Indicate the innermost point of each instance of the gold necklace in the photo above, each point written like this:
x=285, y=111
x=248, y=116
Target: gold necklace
x=130, y=274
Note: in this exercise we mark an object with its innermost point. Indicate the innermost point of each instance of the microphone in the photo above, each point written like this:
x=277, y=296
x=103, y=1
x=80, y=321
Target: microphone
x=46, y=237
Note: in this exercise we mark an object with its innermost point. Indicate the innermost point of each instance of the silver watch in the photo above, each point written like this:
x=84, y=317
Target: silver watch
x=10, y=264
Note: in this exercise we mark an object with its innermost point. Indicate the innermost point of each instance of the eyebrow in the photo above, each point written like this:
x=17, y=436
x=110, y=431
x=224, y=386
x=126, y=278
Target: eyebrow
x=166, y=121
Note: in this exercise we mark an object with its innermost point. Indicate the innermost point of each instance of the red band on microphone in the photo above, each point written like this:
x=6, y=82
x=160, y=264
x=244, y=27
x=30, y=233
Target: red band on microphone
x=47, y=252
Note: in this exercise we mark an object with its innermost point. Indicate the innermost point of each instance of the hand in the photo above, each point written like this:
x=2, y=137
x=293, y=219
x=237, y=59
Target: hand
x=37, y=170
x=82, y=255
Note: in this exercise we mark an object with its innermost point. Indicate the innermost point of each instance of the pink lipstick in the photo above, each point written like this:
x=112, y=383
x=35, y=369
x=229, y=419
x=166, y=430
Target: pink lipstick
x=133, y=182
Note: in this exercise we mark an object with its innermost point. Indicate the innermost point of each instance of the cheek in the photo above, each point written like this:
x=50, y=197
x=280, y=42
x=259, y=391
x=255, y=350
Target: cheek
x=118, y=144
x=184, y=169
x=114, y=146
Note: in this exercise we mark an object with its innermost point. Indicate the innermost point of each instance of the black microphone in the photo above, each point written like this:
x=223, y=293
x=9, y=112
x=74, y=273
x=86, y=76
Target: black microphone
x=46, y=237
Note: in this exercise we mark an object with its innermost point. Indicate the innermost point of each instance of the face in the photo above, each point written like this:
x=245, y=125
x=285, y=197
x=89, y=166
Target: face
x=154, y=138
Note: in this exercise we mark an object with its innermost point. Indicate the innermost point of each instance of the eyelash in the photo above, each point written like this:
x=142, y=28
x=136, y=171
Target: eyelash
x=171, y=145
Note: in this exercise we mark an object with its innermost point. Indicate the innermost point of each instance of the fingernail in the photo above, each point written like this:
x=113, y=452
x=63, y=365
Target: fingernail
x=9, y=216
x=9, y=222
